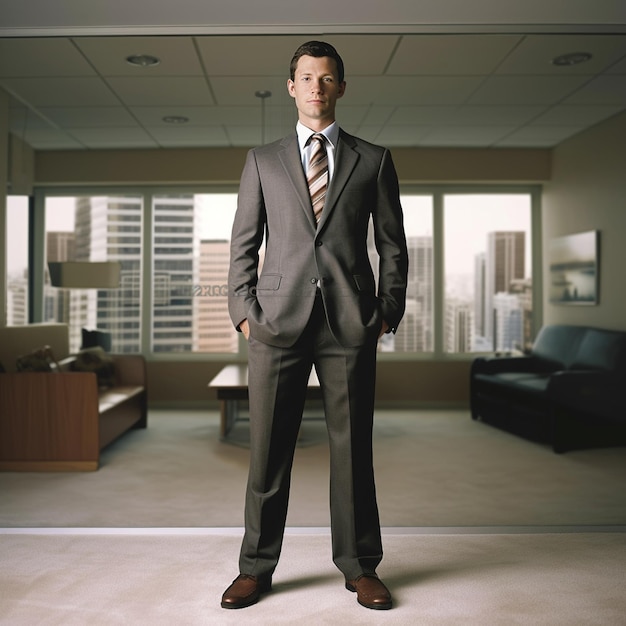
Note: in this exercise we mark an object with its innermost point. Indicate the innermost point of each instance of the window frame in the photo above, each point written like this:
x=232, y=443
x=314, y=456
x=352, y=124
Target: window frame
x=437, y=191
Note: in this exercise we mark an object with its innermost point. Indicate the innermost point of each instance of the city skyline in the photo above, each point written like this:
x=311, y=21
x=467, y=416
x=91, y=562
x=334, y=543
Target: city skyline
x=211, y=217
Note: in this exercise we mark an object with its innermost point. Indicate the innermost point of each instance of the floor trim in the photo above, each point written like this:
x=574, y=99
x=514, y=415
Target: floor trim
x=403, y=530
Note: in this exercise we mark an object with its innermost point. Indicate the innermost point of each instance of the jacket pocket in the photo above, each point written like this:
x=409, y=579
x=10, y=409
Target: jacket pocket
x=268, y=282
x=363, y=283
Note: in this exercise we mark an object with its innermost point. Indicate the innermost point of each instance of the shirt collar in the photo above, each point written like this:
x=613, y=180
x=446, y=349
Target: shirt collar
x=330, y=132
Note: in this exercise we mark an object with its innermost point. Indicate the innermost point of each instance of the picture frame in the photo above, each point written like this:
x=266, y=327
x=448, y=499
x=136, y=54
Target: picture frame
x=574, y=269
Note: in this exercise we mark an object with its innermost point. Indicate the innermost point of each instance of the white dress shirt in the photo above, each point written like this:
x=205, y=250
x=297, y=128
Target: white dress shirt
x=331, y=134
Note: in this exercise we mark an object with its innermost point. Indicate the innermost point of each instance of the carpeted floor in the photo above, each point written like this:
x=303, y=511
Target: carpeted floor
x=480, y=528
x=433, y=469
x=164, y=579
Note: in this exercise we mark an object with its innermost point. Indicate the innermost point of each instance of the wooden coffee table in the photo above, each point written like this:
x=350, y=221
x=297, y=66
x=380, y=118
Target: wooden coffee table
x=231, y=385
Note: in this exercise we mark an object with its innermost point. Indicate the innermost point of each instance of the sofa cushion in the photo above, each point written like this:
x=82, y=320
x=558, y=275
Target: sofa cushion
x=99, y=362
x=534, y=383
x=601, y=350
x=559, y=344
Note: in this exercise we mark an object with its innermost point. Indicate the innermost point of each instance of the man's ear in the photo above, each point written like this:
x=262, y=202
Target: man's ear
x=291, y=88
x=342, y=89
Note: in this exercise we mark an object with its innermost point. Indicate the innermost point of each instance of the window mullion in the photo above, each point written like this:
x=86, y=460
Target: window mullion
x=439, y=274
x=147, y=272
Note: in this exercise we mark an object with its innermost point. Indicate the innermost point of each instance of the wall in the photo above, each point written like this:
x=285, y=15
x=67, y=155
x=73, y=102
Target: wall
x=224, y=165
x=4, y=171
x=399, y=383
x=588, y=192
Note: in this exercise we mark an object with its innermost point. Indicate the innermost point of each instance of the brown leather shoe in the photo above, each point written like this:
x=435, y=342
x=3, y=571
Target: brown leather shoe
x=244, y=591
x=370, y=591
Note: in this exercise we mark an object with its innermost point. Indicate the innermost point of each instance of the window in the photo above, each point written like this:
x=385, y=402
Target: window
x=416, y=332
x=488, y=281
x=97, y=228
x=191, y=253
x=17, y=260
x=469, y=285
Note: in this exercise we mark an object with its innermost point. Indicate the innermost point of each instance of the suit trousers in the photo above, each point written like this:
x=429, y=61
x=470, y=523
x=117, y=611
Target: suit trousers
x=277, y=383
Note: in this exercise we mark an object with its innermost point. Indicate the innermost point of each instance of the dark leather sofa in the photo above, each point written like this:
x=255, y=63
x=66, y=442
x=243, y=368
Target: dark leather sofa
x=569, y=391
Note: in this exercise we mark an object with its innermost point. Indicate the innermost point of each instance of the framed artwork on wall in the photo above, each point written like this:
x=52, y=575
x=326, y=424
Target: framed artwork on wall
x=574, y=268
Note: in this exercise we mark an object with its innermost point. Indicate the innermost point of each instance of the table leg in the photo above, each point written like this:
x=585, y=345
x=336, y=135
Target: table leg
x=229, y=413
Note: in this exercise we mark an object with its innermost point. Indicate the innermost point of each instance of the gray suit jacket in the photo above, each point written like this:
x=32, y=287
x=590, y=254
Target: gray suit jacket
x=274, y=204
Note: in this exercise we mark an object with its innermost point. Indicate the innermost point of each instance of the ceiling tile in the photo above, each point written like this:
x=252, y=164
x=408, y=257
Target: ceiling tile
x=208, y=116
x=197, y=116
x=61, y=91
x=540, y=136
x=606, y=89
x=41, y=57
x=617, y=68
x=22, y=119
x=188, y=136
x=76, y=117
x=575, y=115
x=346, y=114
x=363, y=55
x=425, y=90
x=245, y=136
x=477, y=136
x=535, y=53
x=371, y=133
x=423, y=115
x=52, y=139
x=397, y=135
x=113, y=137
x=377, y=114
x=248, y=55
x=442, y=55
x=230, y=90
x=271, y=55
x=166, y=91
x=495, y=115
x=108, y=55
x=522, y=90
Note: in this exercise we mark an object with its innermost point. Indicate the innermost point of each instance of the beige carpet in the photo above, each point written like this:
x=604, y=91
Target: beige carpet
x=483, y=580
x=433, y=468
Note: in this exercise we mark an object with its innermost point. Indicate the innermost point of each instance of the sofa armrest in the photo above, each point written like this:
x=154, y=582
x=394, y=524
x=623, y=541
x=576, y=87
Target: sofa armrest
x=589, y=391
x=48, y=420
x=130, y=370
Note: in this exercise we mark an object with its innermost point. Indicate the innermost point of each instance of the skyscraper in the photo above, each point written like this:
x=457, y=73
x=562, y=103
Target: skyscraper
x=459, y=328
x=213, y=328
x=415, y=334
x=504, y=263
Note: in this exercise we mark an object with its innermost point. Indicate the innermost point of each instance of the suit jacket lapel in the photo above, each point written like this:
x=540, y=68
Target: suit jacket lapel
x=345, y=161
x=289, y=155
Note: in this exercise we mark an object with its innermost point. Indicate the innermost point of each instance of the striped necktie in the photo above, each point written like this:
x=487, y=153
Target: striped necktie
x=317, y=174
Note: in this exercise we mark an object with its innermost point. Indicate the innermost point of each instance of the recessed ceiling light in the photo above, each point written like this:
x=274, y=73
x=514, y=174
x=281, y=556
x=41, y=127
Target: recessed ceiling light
x=572, y=58
x=175, y=119
x=143, y=60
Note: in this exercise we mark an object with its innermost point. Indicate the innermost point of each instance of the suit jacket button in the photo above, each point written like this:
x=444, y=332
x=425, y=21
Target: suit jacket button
x=313, y=280
x=318, y=243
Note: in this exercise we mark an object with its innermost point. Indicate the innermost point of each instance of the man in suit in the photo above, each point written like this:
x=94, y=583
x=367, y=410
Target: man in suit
x=315, y=303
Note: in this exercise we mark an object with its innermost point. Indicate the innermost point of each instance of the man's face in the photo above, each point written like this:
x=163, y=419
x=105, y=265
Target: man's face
x=316, y=90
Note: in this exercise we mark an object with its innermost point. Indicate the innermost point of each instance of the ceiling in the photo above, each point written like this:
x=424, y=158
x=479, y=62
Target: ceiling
x=449, y=86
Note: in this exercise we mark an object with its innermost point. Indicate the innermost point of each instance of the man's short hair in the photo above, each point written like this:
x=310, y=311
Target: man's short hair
x=316, y=49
